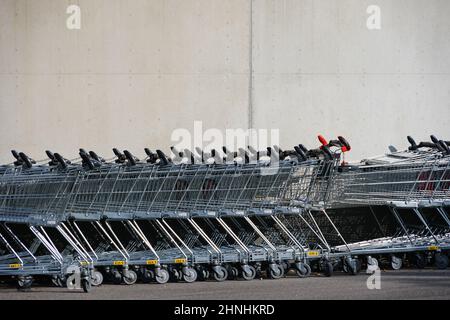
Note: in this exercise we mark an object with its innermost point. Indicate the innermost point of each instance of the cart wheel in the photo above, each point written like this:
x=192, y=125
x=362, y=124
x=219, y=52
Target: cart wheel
x=57, y=281
x=372, y=261
x=396, y=263
x=233, y=273
x=327, y=268
x=86, y=285
x=190, y=275
x=286, y=266
x=129, y=277
x=24, y=283
x=147, y=275
x=350, y=266
x=221, y=274
x=250, y=274
x=96, y=278
x=419, y=261
x=303, y=271
x=441, y=261
x=175, y=275
x=202, y=273
x=275, y=271
x=162, y=276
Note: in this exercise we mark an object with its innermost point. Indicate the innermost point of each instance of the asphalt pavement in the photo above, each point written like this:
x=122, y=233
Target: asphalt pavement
x=401, y=284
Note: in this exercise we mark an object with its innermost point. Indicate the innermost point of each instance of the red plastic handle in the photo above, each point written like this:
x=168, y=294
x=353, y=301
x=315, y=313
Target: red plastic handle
x=322, y=140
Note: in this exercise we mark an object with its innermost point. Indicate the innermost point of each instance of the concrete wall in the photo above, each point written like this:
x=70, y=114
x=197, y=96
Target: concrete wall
x=137, y=70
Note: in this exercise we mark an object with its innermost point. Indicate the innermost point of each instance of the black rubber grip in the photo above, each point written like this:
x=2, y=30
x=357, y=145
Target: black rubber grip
x=251, y=149
x=94, y=156
x=50, y=154
x=444, y=146
x=86, y=160
x=300, y=154
x=426, y=144
x=16, y=155
x=344, y=142
x=148, y=152
x=129, y=157
x=412, y=142
x=162, y=157
x=303, y=148
x=26, y=161
x=434, y=139
x=61, y=160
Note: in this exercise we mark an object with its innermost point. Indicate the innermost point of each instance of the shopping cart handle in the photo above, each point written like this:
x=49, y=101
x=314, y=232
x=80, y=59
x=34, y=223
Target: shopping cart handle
x=444, y=146
x=345, y=145
x=96, y=157
x=86, y=160
x=322, y=140
x=120, y=157
x=300, y=154
x=244, y=155
x=434, y=139
x=130, y=158
x=53, y=161
x=15, y=154
x=162, y=157
x=50, y=154
x=252, y=150
x=174, y=151
x=61, y=160
x=413, y=143
x=303, y=148
x=25, y=159
x=277, y=149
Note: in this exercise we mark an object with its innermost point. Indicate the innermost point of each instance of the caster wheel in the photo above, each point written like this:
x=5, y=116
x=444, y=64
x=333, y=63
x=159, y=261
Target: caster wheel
x=86, y=285
x=303, y=271
x=96, y=278
x=175, y=275
x=58, y=282
x=396, y=263
x=419, y=261
x=372, y=261
x=162, y=276
x=286, y=266
x=441, y=261
x=129, y=277
x=275, y=271
x=220, y=274
x=190, y=275
x=24, y=283
x=250, y=274
x=327, y=268
x=147, y=276
x=205, y=274
x=350, y=266
x=233, y=273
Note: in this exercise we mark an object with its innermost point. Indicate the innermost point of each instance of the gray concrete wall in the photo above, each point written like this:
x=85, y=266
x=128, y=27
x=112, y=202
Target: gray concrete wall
x=137, y=70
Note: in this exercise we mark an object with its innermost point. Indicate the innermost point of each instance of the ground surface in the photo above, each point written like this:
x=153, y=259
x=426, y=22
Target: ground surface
x=402, y=284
